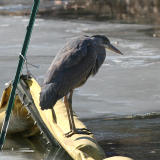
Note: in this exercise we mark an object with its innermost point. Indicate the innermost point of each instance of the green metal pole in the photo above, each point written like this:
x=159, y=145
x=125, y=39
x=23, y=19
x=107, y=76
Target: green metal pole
x=17, y=76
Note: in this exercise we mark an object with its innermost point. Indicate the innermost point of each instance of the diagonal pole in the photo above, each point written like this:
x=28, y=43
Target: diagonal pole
x=17, y=76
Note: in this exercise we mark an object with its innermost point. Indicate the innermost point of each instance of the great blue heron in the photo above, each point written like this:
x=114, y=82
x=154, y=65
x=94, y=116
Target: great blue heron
x=79, y=59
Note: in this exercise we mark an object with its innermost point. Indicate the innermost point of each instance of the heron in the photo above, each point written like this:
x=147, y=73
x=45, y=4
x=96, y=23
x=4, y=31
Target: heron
x=73, y=65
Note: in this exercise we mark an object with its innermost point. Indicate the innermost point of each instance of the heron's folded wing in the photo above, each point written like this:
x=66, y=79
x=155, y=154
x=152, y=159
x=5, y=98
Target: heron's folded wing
x=69, y=57
x=74, y=54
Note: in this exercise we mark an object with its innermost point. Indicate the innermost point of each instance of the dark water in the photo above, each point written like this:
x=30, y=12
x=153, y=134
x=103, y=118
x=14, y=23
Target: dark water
x=108, y=103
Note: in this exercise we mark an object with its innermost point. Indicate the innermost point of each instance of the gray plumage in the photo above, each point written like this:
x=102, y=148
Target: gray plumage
x=79, y=59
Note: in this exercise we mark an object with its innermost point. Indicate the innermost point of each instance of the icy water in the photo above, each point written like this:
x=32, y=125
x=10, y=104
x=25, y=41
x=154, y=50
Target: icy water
x=121, y=104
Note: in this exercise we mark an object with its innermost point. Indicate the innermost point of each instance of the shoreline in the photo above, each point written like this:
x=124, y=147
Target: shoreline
x=50, y=14
x=129, y=11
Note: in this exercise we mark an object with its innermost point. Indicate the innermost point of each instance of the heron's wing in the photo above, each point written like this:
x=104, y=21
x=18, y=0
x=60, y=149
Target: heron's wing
x=68, y=59
x=72, y=53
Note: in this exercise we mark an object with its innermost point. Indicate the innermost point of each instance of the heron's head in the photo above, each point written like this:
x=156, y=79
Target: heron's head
x=105, y=42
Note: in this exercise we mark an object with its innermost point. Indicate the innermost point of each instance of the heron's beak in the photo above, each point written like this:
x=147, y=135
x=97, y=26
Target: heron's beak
x=112, y=48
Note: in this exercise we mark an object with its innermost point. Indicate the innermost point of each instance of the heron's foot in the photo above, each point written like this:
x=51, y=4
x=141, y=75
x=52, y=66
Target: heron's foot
x=78, y=131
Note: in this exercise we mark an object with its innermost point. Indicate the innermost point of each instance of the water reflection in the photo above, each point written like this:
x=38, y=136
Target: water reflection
x=33, y=148
x=57, y=154
x=133, y=136
x=18, y=147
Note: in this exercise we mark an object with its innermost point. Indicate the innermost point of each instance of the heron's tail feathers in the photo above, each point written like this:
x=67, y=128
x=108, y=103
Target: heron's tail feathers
x=48, y=96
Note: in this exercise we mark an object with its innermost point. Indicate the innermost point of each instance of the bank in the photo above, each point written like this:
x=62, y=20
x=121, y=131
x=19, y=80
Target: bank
x=144, y=11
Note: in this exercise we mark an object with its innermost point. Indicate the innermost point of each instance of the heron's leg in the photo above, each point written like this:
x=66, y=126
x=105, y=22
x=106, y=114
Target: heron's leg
x=68, y=103
x=68, y=113
x=74, y=130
